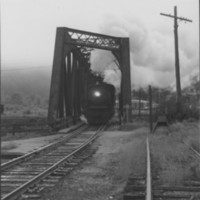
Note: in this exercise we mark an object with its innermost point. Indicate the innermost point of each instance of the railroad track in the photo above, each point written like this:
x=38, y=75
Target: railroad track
x=46, y=148
x=139, y=187
x=26, y=176
x=143, y=187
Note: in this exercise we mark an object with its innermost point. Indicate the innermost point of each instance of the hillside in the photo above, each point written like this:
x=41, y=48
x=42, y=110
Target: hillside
x=27, y=82
x=25, y=91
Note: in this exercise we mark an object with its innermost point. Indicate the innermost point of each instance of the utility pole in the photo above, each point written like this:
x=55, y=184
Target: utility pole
x=178, y=82
x=199, y=50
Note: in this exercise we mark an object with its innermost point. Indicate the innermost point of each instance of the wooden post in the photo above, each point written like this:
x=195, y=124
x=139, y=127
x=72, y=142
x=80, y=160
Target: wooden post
x=150, y=109
x=177, y=67
x=120, y=108
x=127, y=113
x=139, y=107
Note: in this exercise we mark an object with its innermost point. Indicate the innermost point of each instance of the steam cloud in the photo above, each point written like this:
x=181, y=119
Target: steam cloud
x=151, y=53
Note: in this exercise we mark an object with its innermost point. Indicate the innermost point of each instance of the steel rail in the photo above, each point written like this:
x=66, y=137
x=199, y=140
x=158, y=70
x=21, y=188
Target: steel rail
x=20, y=190
x=195, y=151
x=148, y=178
x=15, y=161
x=192, y=149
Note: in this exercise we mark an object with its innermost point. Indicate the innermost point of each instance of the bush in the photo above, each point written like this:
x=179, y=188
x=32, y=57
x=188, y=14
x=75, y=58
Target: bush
x=27, y=112
x=186, y=112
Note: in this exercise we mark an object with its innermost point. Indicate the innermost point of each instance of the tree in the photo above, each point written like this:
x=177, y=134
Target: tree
x=16, y=98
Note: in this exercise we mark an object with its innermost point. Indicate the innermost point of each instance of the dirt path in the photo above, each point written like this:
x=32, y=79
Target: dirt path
x=104, y=175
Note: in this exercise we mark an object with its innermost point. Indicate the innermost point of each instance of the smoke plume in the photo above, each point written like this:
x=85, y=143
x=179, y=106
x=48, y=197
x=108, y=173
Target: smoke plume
x=152, y=56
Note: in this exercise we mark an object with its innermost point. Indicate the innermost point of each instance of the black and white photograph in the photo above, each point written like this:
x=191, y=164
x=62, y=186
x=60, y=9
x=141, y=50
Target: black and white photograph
x=100, y=100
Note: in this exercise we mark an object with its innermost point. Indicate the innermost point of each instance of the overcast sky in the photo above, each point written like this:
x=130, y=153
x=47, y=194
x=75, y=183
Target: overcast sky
x=28, y=29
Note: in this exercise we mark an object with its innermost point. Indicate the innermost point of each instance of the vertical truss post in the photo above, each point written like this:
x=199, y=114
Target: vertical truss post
x=126, y=79
x=120, y=114
x=69, y=72
x=85, y=86
x=81, y=85
x=60, y=112
x=66, y=102
x=78, y=90
x=56, y=71
x=58, y=87
x=73, y=88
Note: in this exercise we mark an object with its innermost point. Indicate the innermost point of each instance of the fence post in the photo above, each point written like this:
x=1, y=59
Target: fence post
x=150, y=109
x=139, y=105
x=127, y=108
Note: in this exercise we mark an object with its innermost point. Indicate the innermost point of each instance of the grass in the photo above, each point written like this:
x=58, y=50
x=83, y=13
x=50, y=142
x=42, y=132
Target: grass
x=174, y=160
x=25, y=135
x=189, y=132
x=134, y=125
x=131, y=158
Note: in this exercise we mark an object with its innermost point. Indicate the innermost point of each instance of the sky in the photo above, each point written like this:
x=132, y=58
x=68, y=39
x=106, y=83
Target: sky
x=28, y=30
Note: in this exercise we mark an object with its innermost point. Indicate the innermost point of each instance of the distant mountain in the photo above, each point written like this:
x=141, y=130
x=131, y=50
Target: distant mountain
x=26, y=82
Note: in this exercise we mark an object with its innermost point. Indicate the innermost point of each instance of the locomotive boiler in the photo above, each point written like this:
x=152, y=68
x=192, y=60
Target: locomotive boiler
x=100, y=103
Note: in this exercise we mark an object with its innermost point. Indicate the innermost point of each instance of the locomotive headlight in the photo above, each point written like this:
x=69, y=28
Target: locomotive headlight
x=97, y=94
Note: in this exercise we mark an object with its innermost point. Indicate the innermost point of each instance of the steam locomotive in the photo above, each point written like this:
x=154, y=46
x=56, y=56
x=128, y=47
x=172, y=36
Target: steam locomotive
x=100, y=103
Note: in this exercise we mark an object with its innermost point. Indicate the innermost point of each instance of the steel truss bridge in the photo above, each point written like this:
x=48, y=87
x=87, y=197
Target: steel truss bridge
x=71, y=68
